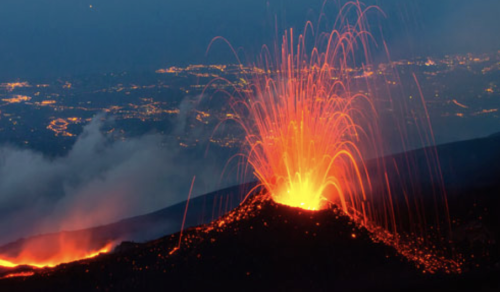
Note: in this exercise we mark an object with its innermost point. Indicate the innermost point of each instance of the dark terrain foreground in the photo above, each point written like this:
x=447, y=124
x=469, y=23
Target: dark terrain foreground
x=263, y=246
x=259, y=246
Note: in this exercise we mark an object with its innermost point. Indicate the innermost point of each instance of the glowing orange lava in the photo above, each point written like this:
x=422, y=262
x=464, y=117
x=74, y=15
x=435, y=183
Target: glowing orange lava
x=52, y=251
x=303, y=120
x=20, y=274
x=310, y=112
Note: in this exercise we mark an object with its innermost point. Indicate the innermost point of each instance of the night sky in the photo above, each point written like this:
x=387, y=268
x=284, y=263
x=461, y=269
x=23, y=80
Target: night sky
x=59, y=37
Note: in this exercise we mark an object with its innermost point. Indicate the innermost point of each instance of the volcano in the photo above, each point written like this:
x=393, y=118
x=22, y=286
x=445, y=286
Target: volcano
x=262, y=245
x=259, y=246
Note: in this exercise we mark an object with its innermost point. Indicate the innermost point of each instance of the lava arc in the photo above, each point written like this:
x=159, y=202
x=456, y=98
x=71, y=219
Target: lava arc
x=310, y=111
x=307, y=125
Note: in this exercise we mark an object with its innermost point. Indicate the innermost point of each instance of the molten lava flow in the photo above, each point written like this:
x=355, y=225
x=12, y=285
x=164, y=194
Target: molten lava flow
x=15, y=275
x=52, y=250
x=61, y=258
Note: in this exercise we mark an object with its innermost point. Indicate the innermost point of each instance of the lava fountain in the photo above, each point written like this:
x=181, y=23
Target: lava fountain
x=305, y=122
x=310, y=111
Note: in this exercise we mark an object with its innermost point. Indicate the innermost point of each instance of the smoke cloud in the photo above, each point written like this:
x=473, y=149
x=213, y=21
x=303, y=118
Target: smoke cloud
x=99, y=181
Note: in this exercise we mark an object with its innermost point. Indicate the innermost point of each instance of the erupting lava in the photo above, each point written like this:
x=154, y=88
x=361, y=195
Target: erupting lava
x=310, y=111
x=51, y=251
x=304, y=121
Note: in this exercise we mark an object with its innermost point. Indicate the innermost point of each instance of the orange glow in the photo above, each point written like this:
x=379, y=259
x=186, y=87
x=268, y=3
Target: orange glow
x=13, y=85
x=61, y=258
x=60, y=125
x=47, y=102
x=430, y=62
x=20, y=274
x=460, y=104
x=17, y=99
x=53, y=250
x=303, y=122
x=67, y=85
x=310, y=113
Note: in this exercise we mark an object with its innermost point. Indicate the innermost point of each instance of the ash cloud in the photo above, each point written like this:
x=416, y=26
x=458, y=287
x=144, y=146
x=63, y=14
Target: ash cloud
x=99, y=181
